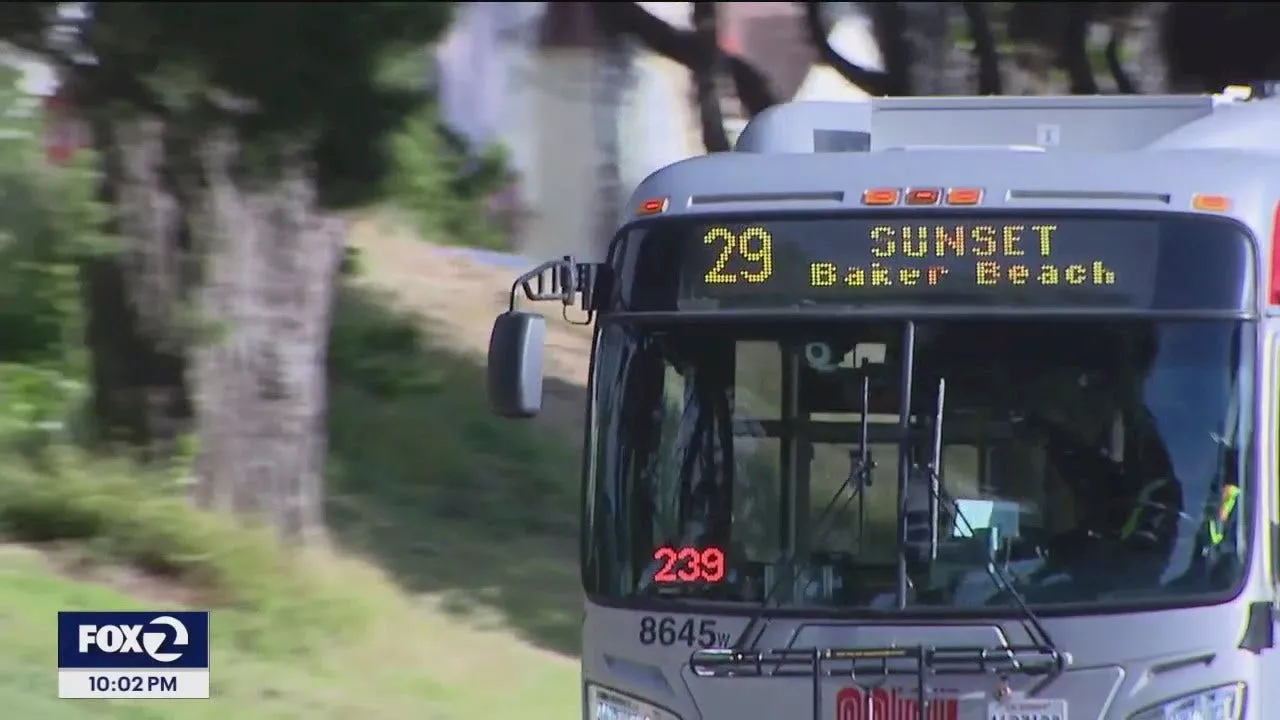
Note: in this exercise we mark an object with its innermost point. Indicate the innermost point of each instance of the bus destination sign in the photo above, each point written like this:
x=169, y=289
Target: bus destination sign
x=977, y=260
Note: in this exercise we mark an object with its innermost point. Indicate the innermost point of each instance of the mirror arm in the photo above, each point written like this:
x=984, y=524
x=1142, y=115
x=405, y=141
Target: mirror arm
x=565, y=280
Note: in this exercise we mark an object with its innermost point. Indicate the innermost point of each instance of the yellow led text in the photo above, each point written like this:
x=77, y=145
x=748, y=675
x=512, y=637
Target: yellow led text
x=745, y=256
x=825, y=274
x=1014, y=254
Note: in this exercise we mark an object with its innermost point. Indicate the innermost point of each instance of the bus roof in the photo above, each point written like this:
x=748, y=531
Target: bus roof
x=1102, y=152
x=1074, y=123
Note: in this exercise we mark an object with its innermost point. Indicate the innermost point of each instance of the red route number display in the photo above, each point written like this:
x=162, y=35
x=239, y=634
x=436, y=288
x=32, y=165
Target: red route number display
x=689, y=565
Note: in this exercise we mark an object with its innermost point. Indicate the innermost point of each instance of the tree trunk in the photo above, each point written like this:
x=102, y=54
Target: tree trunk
x=889, y=23
x=138, y=369
x=611, y=83
x=139, y=397
x=986, y=49
x=218, y=310
x=1125, y=83
x=681, y=46
x=707, y=74
x=270, y=260
x=1073, y=51
x=1148, y=29
x=934, y=70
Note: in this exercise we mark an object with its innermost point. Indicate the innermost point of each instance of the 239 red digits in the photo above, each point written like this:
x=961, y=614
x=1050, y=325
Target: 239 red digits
x=687, y=565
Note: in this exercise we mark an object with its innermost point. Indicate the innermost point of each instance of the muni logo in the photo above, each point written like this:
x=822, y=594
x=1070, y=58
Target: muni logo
x=133, y=640
x=854, y=703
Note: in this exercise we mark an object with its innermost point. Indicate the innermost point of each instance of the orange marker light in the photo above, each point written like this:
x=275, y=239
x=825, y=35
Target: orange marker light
x=964, y=196
x=652, y=206
x=880, y=196
x=923, y=196
x=1210, y=203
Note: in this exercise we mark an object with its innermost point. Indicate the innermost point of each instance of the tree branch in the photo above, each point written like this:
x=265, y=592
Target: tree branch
x=706, y=76
x=681, y=46
x=889, y=24
x=984, y=49
x=1124, y=82
x=751, y=86
x=1074, y=51
x=872, y=81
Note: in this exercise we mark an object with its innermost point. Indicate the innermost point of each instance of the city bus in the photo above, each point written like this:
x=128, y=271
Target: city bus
x=933, y=409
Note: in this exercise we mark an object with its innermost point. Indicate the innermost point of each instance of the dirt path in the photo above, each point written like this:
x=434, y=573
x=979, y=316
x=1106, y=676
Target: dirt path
x=459, y=298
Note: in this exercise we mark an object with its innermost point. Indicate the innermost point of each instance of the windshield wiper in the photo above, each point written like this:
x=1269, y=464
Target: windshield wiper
x=851, y=489
x=1041, y=658
x=1042, y=643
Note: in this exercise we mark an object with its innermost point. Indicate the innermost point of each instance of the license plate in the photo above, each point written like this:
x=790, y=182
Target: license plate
x=1027, y=710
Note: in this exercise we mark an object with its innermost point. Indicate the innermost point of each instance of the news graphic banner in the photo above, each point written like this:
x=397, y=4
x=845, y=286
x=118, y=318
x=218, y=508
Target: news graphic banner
x=147, y=655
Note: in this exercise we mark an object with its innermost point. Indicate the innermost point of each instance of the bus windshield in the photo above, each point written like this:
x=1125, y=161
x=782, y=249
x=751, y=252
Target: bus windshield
x=1095, y=461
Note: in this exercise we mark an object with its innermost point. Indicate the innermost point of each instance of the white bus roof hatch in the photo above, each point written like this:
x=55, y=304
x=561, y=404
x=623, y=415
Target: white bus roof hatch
x=1083, y=123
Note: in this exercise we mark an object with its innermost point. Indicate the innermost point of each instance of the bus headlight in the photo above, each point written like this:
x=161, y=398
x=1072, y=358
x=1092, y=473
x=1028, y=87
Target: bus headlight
x=1221, y=703
x=606, y=704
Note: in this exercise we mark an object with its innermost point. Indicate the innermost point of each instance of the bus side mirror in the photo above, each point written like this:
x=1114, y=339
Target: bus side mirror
x=515, y=364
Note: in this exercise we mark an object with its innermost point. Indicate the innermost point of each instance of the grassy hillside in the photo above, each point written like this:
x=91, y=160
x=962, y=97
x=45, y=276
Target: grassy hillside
x=456, y=536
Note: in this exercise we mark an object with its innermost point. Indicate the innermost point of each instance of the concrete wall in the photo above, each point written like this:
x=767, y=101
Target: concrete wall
x=564, y=157
x=658, y=122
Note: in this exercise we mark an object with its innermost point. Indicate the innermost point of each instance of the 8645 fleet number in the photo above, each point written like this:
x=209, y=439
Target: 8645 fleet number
x=666, y=630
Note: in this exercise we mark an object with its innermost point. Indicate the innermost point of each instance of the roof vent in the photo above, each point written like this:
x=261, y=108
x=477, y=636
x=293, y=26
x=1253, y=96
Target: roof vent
x=841, y=141
x=808, y=127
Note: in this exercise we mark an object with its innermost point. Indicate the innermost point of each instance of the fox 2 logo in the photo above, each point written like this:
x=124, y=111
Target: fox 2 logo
x=101, y=640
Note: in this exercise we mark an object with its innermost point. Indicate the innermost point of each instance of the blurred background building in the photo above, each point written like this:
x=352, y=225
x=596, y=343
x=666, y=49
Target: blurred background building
x=585, y=117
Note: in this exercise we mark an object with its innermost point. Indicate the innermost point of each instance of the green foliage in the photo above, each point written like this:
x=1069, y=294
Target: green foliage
x=435, y=179
x=50, y=220
x=436, y=439
x=442, y=187
x=38, y=405
x=114, y=514
x=291, y=73
x=351, y=265
x=402, y=413
x=377, y=350
x=288, y=627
